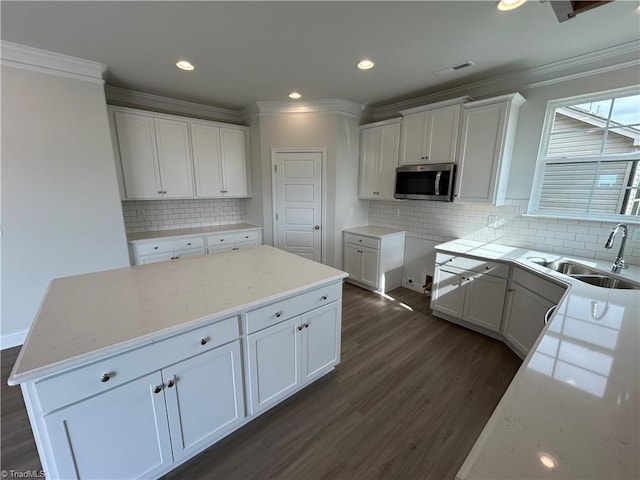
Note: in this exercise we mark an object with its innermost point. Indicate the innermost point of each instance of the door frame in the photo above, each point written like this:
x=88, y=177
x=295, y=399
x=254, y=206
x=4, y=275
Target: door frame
x=323, y=190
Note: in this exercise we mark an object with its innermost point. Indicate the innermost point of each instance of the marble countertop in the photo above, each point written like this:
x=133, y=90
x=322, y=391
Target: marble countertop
x=572, y=410
x=186, y=232
x=373, y=231
x=84, y=317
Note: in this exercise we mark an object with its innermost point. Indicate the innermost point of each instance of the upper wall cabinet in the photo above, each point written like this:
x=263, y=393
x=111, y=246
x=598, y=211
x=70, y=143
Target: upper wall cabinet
x=219, y=157
x=166, y=156
x=430, y=133
x=486, y=142
x=379, y=148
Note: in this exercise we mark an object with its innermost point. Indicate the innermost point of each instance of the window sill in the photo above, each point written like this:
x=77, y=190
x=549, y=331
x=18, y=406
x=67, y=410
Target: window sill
x=619, y=219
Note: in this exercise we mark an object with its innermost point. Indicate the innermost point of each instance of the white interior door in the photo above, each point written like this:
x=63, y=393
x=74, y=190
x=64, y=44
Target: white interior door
x=298, y=203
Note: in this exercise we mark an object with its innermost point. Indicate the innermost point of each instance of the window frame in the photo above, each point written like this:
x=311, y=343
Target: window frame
x=541, y=162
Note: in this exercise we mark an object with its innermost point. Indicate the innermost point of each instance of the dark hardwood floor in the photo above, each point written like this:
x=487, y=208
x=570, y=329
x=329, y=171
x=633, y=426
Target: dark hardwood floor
x=408, y=401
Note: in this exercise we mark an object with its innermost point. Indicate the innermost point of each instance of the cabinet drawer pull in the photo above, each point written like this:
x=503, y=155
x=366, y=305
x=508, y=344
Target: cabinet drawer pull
x=235, y=248
x=203, y=341
x=323, y=298
x=279, y=314
x=105, y=377
x=157, y=389
x=170, y=384
x=189, y=243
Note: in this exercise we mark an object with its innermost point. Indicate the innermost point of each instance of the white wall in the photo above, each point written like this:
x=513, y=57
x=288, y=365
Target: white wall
x=61, y=211
x=337, y=133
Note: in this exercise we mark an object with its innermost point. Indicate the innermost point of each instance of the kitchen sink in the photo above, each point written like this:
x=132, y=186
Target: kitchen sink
x=591, y=276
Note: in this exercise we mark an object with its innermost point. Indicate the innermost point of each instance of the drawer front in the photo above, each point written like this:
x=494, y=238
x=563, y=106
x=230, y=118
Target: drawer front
x=279, y=311
x=74, y=385
x=490, y=267
x=225, y=238
x=168, y=245
x=545, y=288
x=364, y=241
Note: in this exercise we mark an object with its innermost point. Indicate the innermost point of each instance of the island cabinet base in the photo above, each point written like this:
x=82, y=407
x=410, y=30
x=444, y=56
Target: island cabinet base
x=142, y=412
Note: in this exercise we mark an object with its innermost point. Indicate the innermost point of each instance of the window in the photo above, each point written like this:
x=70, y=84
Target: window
x=588, y=162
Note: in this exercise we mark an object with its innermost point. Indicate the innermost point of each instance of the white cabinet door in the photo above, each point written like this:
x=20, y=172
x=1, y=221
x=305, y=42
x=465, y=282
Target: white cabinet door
x=484, y=300
x=274, y=368
x=234, y=162
x=448, y=292
x=206, y=160
x=122, y=433
x=369, y=152
x=204, y=398
x=174, y=157
x=442, y=135
x=369, y=274
x=414, y=128
x=320, y=341
x=388, y=161
x=137, y=144
x=353, y=261
x=524, y=318
x=479, y=159
x=430, y=136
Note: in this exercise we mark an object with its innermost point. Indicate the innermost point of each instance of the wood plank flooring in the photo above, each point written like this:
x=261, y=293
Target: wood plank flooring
x=408, y=401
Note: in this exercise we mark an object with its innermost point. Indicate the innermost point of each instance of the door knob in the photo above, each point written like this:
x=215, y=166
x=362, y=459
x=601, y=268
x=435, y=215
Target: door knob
x=317, y=227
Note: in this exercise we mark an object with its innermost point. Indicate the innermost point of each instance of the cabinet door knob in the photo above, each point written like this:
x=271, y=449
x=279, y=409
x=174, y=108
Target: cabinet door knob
x=246, y=236
x=170, y=384
x=203, y=341
x=299, y=327
x=279, y=314
x=157, y=389
x=222, y=239
x=306, y=325
x=510, y=290
x=155, y=248
x=189, y=243
x=105, y=377
x=160, y=191
x=317, y=227
x=323, y=298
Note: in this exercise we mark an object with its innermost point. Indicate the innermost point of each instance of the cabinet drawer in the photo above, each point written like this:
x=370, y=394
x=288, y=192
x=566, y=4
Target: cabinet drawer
x=496, y=269
x=168, y=245
x=279, y=311
x=545, y=288
x=364, y=241
x=83, y=382
x=224, y=238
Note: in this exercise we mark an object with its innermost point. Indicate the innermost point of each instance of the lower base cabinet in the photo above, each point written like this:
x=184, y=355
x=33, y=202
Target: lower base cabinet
x=286, y=356
x=530, y=300
x=162, y=417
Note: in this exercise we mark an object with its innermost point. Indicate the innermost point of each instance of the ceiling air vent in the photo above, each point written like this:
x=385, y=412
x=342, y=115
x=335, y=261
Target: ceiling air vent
x=455, y=68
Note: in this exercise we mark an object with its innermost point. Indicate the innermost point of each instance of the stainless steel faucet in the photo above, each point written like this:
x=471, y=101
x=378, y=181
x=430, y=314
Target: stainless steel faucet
x=618, y=264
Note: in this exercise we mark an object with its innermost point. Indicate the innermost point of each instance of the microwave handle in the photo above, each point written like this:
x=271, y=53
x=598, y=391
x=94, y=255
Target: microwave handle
x=437, y=186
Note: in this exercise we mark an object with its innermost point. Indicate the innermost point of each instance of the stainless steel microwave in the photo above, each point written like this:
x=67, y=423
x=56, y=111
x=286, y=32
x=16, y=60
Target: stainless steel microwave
x=425, y=182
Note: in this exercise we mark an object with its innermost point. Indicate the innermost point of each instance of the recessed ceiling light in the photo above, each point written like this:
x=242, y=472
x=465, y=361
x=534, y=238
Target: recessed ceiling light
x=547, y=460
x=184, y=65
x=365, y=64
x=509, y=4
x=295, y=95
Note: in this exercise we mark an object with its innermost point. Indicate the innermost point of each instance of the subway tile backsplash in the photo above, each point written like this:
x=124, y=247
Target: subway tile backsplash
x=154, y=215
x=441, y=222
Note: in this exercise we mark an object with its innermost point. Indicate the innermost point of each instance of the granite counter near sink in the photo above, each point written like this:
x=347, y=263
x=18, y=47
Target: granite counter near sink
x=572, y=411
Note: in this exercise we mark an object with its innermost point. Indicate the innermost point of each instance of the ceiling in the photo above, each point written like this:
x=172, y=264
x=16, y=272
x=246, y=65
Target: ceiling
x=250, y=51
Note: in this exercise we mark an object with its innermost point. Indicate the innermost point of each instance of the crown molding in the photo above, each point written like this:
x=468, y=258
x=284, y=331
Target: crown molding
x=44, y=61
x=618, y=57
x=131, y=98
x=332, y=105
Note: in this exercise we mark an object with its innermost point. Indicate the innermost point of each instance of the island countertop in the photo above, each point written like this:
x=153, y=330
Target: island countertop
x=572, y=410
x=83, y=317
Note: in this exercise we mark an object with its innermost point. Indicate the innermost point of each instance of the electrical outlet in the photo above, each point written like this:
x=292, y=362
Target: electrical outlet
x=351, y=212
x=492, y=221
x=397, y=212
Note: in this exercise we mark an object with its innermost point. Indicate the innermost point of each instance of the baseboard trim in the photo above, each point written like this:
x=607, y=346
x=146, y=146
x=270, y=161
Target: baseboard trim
x=13, y=339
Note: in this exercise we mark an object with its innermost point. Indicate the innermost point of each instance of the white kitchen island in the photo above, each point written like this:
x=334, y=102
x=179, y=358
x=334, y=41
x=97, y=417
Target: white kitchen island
x=127, y=373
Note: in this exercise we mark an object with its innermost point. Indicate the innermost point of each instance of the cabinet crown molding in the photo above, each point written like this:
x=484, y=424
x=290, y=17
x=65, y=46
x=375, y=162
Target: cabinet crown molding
x=433, y=106
x=44, y=61
x=515, y=99
x=333, y=105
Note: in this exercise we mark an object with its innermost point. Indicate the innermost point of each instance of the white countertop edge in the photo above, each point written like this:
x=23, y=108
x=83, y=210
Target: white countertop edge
x=159, y=235
x=138, y=342
x=362, y=231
